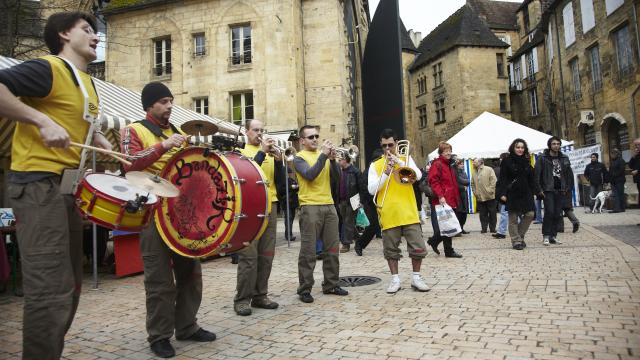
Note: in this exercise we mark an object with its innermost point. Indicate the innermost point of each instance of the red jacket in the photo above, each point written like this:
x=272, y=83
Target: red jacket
x=442, y=180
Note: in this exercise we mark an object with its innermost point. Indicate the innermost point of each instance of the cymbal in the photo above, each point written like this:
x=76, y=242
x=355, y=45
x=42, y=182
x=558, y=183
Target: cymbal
x=152, y=183
x=199, y=128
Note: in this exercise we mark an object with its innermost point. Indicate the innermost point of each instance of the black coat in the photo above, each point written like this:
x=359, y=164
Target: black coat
x=616, y=171
x=517, y=183
x=543, y=173
x=596, y=173
x=634, y=164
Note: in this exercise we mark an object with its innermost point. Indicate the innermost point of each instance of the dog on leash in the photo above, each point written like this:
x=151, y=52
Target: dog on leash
x=600, y=198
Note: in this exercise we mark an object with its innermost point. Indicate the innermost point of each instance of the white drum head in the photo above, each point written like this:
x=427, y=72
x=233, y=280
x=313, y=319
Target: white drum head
x=117, y=187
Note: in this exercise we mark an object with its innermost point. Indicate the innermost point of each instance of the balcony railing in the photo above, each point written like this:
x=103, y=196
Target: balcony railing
x=240, y=59
x=160, y=70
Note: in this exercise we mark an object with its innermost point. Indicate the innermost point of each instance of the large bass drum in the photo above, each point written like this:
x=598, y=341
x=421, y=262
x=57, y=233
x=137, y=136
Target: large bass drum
x=223, y=204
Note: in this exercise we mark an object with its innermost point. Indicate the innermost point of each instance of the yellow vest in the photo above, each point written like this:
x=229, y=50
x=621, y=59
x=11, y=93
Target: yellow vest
x=318, y=191
x=400, y=207
x=65, y=105
x=268, y=166
x=148, y=139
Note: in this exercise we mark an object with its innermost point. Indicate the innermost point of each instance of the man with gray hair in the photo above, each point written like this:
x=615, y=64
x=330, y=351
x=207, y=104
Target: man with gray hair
x=484, y=187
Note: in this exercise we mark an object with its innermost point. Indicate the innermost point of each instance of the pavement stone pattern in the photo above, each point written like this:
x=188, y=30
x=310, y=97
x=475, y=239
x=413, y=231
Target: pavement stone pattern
x=580, y=299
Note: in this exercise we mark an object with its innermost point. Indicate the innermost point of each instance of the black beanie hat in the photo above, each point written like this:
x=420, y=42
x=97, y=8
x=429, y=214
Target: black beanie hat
x=153, y=92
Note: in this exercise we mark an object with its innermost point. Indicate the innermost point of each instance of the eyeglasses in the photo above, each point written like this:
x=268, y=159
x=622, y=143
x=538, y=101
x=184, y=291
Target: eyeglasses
x=312, y=137
x=387, y=145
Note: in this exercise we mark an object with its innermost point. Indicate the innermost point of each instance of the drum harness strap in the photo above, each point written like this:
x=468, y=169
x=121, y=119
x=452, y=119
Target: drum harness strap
x=155, y=129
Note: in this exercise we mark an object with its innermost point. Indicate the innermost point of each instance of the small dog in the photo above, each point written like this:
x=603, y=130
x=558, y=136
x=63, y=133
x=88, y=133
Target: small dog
x=600, y=198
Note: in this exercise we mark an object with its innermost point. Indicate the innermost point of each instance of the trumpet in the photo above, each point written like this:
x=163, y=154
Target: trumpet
x=287, y=154
x=352, y=152
x=403, y=173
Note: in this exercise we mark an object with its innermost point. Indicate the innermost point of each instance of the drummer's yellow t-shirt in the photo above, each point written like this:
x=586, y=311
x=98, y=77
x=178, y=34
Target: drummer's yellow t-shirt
x=268, y=167
x=148, y=140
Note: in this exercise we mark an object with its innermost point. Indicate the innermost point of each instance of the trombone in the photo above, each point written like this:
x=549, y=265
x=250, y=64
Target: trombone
x=403, y=173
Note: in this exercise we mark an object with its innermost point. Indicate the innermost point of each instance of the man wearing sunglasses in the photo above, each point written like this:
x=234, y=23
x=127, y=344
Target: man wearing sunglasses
x=397, y=212
x=317, y=171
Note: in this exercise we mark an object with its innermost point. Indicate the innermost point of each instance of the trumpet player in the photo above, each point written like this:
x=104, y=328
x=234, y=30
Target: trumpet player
x=255, y=261
x=396, y=204
x=316, y=170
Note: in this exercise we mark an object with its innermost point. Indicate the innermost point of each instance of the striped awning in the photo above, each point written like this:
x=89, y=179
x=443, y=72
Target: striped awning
x=118, y=107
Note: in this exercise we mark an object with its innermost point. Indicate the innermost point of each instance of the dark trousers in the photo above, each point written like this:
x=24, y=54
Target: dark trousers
x=462, y=218
x=552, y=213
x=288, y=232
x=49, y=233
x=372, y=229
x=437, y=238
x=488, y=217
x=618, y=196
x=173, y=293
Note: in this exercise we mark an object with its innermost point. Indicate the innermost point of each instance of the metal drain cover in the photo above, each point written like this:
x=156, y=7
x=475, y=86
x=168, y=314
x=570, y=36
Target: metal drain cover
x=349, y=281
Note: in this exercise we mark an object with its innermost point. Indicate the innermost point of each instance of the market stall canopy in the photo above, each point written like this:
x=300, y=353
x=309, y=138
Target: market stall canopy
x=489, y=135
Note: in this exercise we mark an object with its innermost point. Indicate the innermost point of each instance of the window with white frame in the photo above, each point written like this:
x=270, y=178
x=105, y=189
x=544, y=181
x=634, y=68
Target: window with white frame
x=533, y=101
x=422, y=115
x=241, y=44
x=612, y=5
x=162, y=56
x=517, y=74
x=624, y=50
x=201, y=105
x=596, y=73
x=588, y=16
x=241, y=107
x=199, y=45
x=440, y=111
x=575, y=78
x=569, y=27
x=437, y=74
x=530, y=65
x=550, y=43
x=422, y=85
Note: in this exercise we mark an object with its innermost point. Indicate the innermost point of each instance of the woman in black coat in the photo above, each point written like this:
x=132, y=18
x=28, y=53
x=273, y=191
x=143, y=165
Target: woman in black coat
x=516, y=190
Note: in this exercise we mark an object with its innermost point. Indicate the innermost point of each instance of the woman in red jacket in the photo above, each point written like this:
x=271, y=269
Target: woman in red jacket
x=442, y=179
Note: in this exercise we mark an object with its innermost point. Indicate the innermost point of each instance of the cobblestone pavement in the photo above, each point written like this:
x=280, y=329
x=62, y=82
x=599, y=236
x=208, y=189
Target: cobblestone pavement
x=580, y=299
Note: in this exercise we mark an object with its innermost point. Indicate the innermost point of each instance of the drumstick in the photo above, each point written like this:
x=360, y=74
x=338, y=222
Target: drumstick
x=114, y=154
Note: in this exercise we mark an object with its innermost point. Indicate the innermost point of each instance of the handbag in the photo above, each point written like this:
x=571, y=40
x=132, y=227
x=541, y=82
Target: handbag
x=362, y=221
x=447, y=221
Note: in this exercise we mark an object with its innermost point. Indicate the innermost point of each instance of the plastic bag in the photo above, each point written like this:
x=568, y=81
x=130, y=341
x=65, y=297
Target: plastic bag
x=362, y=220
x=447, y=221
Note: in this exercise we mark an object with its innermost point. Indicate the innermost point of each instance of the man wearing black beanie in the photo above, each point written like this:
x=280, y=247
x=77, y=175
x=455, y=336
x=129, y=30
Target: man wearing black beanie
x=171, y=306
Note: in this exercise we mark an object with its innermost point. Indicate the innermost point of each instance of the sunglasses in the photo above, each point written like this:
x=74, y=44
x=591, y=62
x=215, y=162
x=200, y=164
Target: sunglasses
x=387, y=145
x=312, y=137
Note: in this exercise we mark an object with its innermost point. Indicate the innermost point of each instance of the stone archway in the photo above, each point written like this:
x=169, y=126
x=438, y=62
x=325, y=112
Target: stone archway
x=615, y=134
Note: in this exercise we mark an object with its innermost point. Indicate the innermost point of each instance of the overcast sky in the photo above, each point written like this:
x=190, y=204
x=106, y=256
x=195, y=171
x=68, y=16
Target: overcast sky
x=424, y=15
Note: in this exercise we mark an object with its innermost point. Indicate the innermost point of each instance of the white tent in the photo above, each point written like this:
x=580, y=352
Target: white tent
x=489, y=135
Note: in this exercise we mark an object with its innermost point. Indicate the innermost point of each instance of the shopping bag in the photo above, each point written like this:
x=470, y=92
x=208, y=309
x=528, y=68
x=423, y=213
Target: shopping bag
x=361, y=219
x=447, y=221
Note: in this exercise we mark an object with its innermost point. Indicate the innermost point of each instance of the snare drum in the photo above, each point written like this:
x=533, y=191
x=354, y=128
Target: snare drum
x=223, y=204
x=104, y=199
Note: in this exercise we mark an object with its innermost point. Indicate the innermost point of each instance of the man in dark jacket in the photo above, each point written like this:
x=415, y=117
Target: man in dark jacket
x=616, y=172
x=349, y=186
x=554, y=177
x=597, y=175
x=366, y=200
x=634, y=164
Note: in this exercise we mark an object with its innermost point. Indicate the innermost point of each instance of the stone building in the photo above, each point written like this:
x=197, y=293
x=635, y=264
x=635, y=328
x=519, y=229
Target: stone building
x=459, y=71
x=287, y=62
x=587, y=81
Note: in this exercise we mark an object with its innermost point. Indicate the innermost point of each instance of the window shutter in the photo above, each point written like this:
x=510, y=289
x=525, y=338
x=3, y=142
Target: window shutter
x=534, y=51
x=588, y=17
x=512, y=82
x=523, y=67
x=569, y=28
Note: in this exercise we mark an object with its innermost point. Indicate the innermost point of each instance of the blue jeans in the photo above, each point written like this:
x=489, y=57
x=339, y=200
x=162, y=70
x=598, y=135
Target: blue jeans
x=319, y=246
x=504, y=220
x=538, y=218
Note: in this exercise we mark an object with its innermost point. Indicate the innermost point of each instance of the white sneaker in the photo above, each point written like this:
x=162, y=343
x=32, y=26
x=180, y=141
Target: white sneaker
x=394, y=286
x=419, y=285
x=554, y=240
x=545, y=241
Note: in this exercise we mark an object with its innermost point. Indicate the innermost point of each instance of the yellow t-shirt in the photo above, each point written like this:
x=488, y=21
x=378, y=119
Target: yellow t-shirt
x=400, y=206
x=65, y=105
x=268, y=167
x=318, y=191
x=148, y=139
